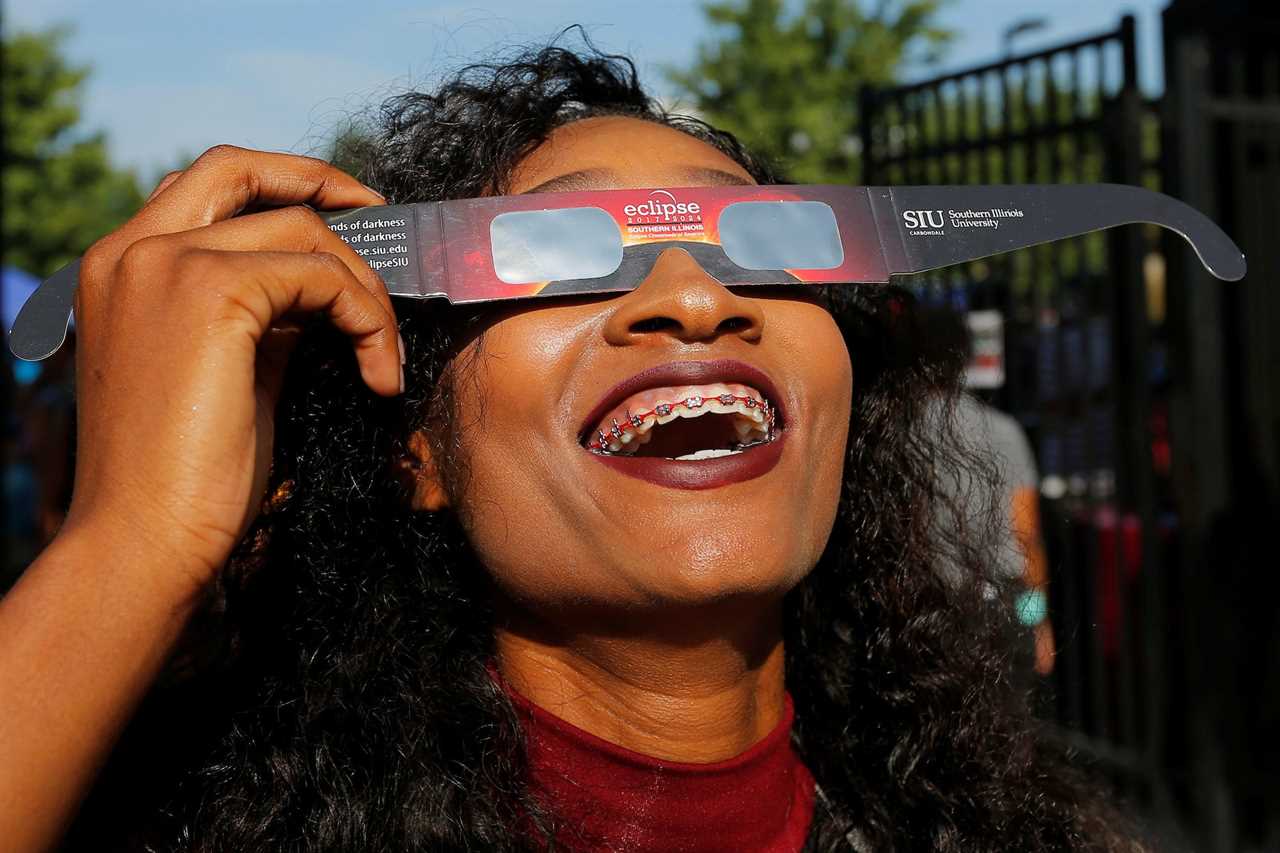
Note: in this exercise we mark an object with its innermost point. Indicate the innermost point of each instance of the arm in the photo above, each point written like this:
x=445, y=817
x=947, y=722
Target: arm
x=1026, y=529
x=186, y=317
x=82, y=636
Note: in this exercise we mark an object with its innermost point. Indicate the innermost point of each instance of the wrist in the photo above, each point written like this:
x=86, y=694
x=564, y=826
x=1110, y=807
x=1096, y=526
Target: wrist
x=146, y=566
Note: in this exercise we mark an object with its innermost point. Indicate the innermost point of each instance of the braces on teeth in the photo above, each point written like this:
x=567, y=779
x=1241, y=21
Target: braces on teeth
x=616, y=432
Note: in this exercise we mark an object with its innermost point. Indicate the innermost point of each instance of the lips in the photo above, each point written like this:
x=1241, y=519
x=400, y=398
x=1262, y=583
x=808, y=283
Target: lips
x=692, y=473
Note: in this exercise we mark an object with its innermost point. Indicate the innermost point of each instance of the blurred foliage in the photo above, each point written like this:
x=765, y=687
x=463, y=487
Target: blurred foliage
x=786, y=79
x=60, y=192
x=350, y=148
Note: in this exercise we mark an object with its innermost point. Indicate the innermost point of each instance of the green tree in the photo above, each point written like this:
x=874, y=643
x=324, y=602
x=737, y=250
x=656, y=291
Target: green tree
x=786, y=79
x=60, y=192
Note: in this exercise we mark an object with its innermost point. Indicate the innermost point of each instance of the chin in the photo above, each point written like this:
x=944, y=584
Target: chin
x=710, y=571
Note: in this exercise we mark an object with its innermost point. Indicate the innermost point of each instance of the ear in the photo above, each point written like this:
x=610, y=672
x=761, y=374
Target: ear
x=418, y=470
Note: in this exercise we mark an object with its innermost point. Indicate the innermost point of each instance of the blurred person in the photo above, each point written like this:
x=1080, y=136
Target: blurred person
x=49, y=438
x=1008, y=515
x=20, y=543
x=39, y=454
x=358, y=591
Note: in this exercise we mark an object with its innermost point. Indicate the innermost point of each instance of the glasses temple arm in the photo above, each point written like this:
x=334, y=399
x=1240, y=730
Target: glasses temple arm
x=932, y=227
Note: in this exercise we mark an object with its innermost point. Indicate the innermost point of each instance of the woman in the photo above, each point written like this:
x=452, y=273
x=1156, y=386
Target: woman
x=447, y=618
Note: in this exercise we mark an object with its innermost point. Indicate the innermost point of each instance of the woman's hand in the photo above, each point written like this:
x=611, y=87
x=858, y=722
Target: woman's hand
x=185, y=319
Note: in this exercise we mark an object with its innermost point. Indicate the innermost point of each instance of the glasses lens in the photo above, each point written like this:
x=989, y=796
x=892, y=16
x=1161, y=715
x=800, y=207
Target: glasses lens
x=781, y=235
x=551, y=245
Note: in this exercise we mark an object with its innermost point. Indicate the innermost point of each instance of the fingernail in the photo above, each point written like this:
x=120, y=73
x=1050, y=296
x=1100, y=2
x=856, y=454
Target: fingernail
x=401, y=380
x=400, y=337
x=375, y=192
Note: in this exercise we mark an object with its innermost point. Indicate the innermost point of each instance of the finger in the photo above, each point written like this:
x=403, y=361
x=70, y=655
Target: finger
x=164, y=184
x=222, y=182
x=289, y=229
x=271, y=285
x=274, y=351
x=225, y=180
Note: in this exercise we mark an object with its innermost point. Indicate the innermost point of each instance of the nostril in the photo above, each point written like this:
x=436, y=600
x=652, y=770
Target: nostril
x=733, y=324
x=654, y=324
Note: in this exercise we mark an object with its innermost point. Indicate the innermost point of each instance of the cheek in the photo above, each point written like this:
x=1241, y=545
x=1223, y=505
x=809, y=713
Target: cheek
x=516, y=524
x=828, y=378
x=513, y=498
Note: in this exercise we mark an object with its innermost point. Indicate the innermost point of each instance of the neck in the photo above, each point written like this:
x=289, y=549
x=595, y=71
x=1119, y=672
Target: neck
x=695, y=685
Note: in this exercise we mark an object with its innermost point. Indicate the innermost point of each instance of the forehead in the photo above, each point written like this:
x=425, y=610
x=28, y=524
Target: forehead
x=620, y=153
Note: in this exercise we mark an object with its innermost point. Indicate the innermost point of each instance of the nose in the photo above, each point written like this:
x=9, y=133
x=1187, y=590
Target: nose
x=680, y=300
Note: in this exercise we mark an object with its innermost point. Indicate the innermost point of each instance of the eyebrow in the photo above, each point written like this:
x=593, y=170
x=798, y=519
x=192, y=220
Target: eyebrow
x=591, y=179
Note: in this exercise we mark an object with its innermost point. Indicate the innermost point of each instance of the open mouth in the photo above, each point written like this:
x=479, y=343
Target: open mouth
x=689, y=425
x=686, y=423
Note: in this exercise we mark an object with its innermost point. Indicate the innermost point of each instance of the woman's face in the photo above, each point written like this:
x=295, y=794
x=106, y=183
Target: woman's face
x=561, y=527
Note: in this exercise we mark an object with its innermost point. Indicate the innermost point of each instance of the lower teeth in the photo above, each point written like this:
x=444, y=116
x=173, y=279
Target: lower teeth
x=707, y=454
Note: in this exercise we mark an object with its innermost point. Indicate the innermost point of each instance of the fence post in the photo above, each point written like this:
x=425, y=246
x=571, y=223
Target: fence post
x=1146, y=668
x=1198, y=404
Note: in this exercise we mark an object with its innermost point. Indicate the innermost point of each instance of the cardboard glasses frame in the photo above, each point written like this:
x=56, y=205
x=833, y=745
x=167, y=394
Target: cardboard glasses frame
x=549, y=244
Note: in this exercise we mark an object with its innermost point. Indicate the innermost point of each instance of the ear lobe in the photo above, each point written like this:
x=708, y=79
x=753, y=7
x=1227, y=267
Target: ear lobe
x=418, y=470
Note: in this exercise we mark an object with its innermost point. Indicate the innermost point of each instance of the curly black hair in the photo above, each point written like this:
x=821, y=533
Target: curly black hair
x=333, y=693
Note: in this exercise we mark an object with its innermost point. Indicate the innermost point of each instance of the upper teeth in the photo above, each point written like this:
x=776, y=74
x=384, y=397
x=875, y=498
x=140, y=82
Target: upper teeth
x=753, y=417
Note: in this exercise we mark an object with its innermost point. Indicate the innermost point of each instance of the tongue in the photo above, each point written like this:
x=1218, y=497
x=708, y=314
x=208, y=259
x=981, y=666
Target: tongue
x=684, y=436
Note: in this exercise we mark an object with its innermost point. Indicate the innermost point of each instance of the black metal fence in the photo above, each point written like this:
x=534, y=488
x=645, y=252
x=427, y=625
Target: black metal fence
x=1105, y=336
x=1222, y=154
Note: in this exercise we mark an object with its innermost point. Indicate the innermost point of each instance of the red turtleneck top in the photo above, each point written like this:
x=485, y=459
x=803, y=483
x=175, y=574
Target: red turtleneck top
x=760, y=801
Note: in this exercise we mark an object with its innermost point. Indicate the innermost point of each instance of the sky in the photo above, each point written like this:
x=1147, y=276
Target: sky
x=171, y=78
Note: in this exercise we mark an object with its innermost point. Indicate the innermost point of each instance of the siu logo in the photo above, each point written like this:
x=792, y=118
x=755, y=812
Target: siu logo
x=923, y=219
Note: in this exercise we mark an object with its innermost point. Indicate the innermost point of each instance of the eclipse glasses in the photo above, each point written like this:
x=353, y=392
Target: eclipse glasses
x=603, y=241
